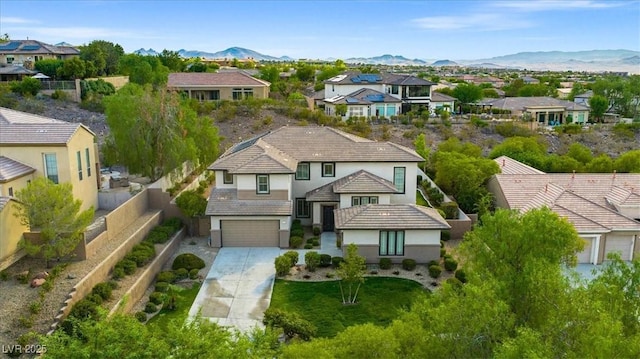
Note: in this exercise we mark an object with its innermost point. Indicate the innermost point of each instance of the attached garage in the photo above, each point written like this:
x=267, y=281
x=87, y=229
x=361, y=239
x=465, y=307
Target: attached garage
x=585, y=255
x=618, y=243
x=249, y=233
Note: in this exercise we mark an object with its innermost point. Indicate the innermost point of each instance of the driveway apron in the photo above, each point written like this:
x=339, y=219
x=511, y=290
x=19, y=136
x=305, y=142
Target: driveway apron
x=237, y=289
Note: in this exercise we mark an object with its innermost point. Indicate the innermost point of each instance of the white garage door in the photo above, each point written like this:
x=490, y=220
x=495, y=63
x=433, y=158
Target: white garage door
x=620, y=244
x=585, y=255
x=237, y=233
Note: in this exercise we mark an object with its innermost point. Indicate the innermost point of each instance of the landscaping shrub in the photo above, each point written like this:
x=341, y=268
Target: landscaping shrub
x=461, y=275
x=312, y=260
x=408, y=264
x=141, y=316
x=309, y=240
x=60, y=95
x=316, y=242
x=84, y=309
x=385, y=263
x=188, y=261
x=166, y=276
x=175, y=223
x=96, y=298
x=454, y=282
x=193, y=274
x=297, y=232
x=157, y=236
x=150, y=308
x=118, y=272
x=325, y=260
x=181, y=273
x=103, y=289
x=162, y=287
x=157, y=298
x=445, y=235
x=308, y=246
x=317, y=231
x=443, y=252
x=283, y=265
x=295, y=241
x=293, y=257
x=433, y=263
x=434, y=271
x=450, y=264
x=129, y=266
x=450, y=210
x=335, y=261
x=291, y=323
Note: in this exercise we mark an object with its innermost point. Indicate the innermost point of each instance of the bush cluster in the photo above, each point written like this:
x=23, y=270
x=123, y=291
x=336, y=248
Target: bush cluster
x=325, y=260
x=408, y=264
x=450, y=210
x=312, y=260
x=434, y=271
x=291, y=324
x=295, y=241
x=283, y=265
x=293, y=257
x=385, y=263
x=188, y=261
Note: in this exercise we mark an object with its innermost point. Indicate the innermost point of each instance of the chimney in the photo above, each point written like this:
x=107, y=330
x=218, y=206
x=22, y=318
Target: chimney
x=573, y=175
x=614, y=174
x=503, y=162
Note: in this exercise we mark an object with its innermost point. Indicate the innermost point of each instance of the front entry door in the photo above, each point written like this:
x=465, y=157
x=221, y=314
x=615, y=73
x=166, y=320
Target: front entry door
x=327, y=219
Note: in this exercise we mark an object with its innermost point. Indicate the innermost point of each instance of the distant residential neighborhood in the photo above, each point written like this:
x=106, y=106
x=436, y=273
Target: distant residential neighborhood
x=291, y=207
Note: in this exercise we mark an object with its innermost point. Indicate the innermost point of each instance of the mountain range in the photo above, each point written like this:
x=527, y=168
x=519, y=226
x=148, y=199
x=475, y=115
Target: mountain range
x=592, y=60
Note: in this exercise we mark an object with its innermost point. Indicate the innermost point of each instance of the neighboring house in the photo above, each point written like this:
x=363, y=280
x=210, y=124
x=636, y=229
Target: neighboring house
x=228, y=85
x=27, y=52
x=583, y=98
x=312, y=174
x=544, y=110
x=14, y=72
x=33, y=146
x=411, y=90
x=528, y=80
x=364, y=103
x=604, y=207
x=442, y=102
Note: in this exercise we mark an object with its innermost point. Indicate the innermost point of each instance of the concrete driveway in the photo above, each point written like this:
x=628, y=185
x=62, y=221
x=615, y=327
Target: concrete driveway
x=237, y=289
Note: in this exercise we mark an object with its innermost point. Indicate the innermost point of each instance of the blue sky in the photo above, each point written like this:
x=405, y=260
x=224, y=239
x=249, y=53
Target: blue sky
x=333, y=29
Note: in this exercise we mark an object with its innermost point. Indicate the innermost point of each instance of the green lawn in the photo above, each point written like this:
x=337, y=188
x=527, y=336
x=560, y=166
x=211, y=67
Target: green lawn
x=379, y=301
x=184, y=300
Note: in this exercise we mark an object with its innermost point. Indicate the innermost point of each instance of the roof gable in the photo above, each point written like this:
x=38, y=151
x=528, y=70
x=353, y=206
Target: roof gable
x=21, y=128
x=389, y=216
x=11, y=169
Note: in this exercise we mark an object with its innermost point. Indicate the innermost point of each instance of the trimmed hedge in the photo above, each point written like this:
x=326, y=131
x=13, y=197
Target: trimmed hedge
x=157, y=298
x=162, y=287
x=283, y=265
x=293, y=257
x=295, y=241
x=166, y=276
x=450, y=264
x=312, y=260
x=103, y=289
x=325, y=260
x=193, y=274
x=188, y=261
x=335, y=261
x=181, y=273
x=385, y=263
x=291, y=323
x=434, y=271
x=408, y=264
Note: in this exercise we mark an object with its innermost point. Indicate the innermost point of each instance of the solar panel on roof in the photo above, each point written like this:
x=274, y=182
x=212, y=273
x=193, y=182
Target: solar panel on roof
x=10, y=46
x=352, y=100
x=248, y=143
x=368, y=78
x=30, y=47
x=375, y=98
x=355, y=79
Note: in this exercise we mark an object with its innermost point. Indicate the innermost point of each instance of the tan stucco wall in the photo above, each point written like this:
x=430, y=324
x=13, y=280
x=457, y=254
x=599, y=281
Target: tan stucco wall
x=10, y=233
x=85, y=189
x=421, y=254
x=16, y=184
x=226, y=93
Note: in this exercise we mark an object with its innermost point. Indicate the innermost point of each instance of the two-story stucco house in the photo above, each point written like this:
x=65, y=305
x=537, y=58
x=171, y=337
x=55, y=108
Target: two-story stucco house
x=362, y=189
x=384, y=88
x=27, y=52
x=35, y=146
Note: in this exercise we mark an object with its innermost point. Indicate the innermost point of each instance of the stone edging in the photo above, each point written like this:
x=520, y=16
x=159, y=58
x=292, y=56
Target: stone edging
x=139, y=287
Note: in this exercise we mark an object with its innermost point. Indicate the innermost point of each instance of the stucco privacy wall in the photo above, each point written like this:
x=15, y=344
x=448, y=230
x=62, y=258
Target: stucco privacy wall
x=139, y=288
x=103, y=270
x=127, y=213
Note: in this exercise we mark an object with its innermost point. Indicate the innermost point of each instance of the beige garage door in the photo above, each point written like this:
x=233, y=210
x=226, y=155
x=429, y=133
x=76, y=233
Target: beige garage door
x=620, y=244
x=250, y=233
x=585, y=255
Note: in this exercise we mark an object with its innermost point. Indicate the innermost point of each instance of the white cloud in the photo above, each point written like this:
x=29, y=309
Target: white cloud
x=475, y=22
x=547, y=5
x=16, y=20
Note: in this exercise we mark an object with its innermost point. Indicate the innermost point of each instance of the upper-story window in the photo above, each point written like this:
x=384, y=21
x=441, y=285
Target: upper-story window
x=362, y=200
x=262, y=184
x=303, y=171
x=395, y=89
x=328, y=169
x=419, y=91
x=51, y=167
x=399, y=178
x=227, y=178
x=88, y=158
x=10, y=59
x=79, y=159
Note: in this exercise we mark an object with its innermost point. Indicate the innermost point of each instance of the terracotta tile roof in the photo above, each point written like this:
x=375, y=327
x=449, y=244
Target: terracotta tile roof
x=20, y=128
x=225, y=202
x=218, y=79
x=357, y=182
x=11, y=169
x=509, y=166
x=389, y=216
x=588, y=200
x=286, y=146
